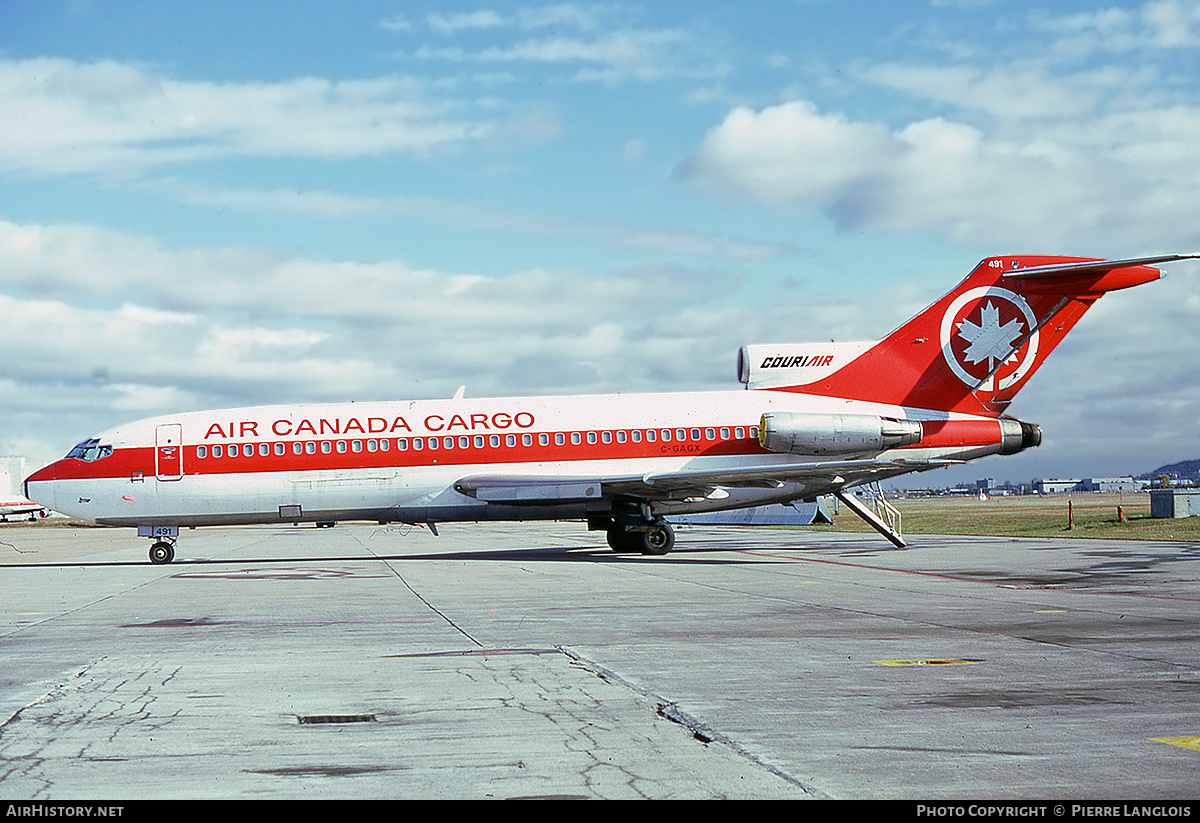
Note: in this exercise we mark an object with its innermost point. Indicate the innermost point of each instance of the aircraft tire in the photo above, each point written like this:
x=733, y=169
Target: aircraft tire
x=621, y=541
x=659, y=540
x=162, y=553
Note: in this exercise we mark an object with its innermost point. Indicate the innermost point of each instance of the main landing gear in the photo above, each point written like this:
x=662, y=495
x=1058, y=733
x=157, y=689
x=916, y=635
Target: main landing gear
x=658, y=538
x=635, y=531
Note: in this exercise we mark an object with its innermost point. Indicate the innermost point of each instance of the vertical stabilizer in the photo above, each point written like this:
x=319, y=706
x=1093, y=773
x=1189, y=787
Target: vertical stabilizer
x=972, y=350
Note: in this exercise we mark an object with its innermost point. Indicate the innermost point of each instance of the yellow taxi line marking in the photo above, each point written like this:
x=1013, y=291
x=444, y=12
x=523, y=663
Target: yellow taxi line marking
x=929, y=661
x=1192, y=743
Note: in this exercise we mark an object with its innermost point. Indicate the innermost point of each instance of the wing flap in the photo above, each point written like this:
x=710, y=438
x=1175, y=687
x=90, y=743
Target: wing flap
x=817, y=477
x=529, y=490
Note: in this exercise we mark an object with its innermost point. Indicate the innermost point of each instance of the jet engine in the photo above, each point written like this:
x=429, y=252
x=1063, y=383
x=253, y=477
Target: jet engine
x=1018, y=436
x=819, y=434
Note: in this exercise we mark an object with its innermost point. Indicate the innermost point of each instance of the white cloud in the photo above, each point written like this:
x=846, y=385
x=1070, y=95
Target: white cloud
x=255, y=316
x=1125, y=178
x=111, y=117
x=1039, y=139
x=1160, y=24
x=597, y=42
x=451, y=23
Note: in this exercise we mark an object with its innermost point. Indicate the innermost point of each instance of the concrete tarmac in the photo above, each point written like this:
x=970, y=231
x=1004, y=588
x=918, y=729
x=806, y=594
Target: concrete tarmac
x=529, y=660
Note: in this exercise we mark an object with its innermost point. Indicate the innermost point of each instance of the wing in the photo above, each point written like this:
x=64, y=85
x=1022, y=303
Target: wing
x=815, y=479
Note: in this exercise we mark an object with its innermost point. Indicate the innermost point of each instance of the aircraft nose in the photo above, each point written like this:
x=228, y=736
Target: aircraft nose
x=39, y=487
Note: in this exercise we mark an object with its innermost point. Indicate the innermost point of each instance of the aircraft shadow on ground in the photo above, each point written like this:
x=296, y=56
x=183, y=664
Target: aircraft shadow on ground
x=690, y=555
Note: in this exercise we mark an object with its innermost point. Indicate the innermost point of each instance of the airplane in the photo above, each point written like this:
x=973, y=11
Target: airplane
x=809, y=420
x=13, y=505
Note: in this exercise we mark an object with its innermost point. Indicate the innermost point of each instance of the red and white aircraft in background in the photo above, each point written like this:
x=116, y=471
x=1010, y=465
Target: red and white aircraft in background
x=816, y=419
x=14, y=505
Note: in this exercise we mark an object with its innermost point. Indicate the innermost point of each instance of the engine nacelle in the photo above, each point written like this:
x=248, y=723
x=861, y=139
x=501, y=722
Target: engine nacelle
x=1018, y=436
x=818, y=434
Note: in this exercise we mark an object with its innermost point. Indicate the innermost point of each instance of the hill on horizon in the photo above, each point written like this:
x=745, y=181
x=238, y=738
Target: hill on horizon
x=1182, y=469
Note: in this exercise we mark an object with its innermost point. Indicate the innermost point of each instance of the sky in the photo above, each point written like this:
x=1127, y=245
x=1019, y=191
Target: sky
x=217, y=204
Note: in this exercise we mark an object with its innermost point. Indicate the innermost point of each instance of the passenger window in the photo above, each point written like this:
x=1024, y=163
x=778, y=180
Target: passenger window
x=202, y=451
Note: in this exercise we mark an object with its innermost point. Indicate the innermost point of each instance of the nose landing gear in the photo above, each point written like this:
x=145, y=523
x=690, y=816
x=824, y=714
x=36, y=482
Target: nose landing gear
x=162, y=552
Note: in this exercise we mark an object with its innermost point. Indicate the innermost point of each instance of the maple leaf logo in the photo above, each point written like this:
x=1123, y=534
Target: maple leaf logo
x=989, y=338
x=990, y=341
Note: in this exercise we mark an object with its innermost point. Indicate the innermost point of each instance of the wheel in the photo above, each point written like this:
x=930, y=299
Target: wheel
x=161, y=553
x=621, y=541
x=659, y=540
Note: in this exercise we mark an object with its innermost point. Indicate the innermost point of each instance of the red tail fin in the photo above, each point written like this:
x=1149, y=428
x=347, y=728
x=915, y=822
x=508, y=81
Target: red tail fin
x=973, y=349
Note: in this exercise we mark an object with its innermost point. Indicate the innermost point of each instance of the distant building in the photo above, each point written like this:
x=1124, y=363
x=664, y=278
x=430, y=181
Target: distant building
x=1088, y=484
x=1057, y=486
x=12, y=472
x=1111, y=484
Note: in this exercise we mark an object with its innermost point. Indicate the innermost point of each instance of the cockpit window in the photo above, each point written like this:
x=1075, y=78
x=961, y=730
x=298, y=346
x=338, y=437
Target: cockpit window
x=90, y=451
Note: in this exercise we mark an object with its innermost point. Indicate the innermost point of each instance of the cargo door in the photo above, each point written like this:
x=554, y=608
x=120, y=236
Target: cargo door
x=168, y=451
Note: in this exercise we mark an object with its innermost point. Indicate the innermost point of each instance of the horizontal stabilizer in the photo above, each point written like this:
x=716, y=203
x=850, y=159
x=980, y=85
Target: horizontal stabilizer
x=969, y=352
x=1092, y=266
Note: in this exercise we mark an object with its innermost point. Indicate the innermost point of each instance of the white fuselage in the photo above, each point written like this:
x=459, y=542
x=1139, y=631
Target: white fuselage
x=401, y=461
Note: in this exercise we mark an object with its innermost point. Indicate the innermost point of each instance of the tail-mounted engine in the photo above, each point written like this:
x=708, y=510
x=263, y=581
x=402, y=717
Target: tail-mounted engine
x=820, y=434
x=1018, y=435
